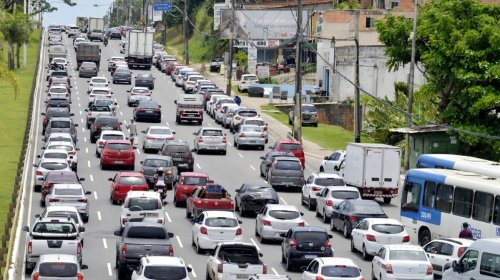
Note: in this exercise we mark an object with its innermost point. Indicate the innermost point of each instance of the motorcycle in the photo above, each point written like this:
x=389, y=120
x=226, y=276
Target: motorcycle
x=160, y=187
x=105, y=43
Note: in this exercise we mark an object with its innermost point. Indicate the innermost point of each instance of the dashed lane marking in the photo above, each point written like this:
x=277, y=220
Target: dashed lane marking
x=95, y=194
x=86, y=150
x=88, y=163
x=274, y=270
x=284, y=201
x=104, y=243
x=254, y=243
x=91, y=178
x=241, y=156
x=197, y=165
x=99, y=215
x=168, y=217
x=179, y=241
x=110, y=271
x=251, y=167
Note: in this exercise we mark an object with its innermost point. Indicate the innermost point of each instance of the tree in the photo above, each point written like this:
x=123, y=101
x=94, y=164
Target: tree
x=458, y=45
x=45, y=6
x=16, y=29
x=9, y=76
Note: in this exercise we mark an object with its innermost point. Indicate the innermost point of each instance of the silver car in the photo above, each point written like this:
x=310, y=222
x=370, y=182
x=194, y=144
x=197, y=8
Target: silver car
x=138, y=94
x=332, y=196
x=286, y=172
x=67, y=146
x=155, y=136
x=250, y=136
x=228, y=115
x=274, y=219
x=60, y=137
x=142, y=207
x=48, y=164
x=257, y=121
x=63, y=212
x=210, y=139
x=61, y=124
x=58, y=266
x=69, y=195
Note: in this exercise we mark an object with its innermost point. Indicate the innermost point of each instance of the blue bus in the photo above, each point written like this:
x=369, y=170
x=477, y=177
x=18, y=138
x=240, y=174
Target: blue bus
x=458, y=162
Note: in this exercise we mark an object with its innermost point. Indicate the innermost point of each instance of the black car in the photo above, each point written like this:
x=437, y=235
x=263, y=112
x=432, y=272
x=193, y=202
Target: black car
x=347, y=214
x=151, y=164
x=252, y=197
x=54, y=112
x=145, y=80
x=58, y=102
x=148, y=111
x=122, y=75
x=180, y=152
x=103, y=123
x=115, y=35
x=301, y=245
x=268, y=159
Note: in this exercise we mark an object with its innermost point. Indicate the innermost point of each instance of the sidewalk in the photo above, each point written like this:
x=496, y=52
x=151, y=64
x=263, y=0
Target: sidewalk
x=276, y=128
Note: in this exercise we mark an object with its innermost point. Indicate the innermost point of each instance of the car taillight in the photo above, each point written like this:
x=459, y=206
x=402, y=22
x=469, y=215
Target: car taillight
x=353, y=218
x=266, y=223
x=39, y=173
x=72, y=153
x=242, y=134
x=328, y=245
x=200, y=139
x=293, y=243
x=461, y=251
x=124, y=220
x=79, y=249
x=124, y=251
x=262, y=135
x=159, y=221
x=35, y=276
x=80, y=276
x=315, y=189
x=151, y=138
x=83, y=200
x=264, y=269
x=429, y=269
x=239, y=231
x=140, y=110
x=406, y=238
x=329, y=202
x=54, y=200
x=30, y=247
x=301, y=224
x=319, y=278
x=370, y=237
x=171, y=251
x=388, y=268
x=224, y=139
x=220, y=268
x=157, y=110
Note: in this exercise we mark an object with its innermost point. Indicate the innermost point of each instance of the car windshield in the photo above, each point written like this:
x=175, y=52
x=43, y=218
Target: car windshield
x=291, y=147
x=177, y=148
x=250, y=78
x=63, y=214
x=54, y=227
x=118, y=147
x=345, y=194
x=131, y=180
x=329, y=182
x=99, y=81
x=53, y=165
x=60, y=73
x=60, y=147
x=367, y=209
x=288, y=165
x=239, y=254
x=88, y=65
x=144, y=76
x=103, y=102
x=68, y=191
x=156, y=163
x=311, y=236
x=147, y=232
x=57, y=269
x=340, y=271
x=160, y=131
x=140, y=90
x=402, y=255
x=60, y=124
x=212, y=132
x=145, y=203
x=195, y=181
x=55, y=155
x=100, y=109
x=122, y=71
x=388, y=228
x=308, y=108
x=221, y=222
x=100, y=92
x=165, y=272
x=284, y=214
x=58, y=90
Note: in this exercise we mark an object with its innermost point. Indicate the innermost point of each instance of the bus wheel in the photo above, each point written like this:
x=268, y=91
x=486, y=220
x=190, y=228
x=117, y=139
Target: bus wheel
x=424, y=237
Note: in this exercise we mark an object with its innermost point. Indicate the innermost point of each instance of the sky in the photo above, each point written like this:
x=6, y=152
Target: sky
x=67, y=15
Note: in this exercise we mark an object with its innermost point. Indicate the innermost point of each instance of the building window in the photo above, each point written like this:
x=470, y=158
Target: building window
x=370, y=22
x=394, y=4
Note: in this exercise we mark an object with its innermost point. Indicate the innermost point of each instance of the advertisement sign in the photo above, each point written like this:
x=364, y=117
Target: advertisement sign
x=252, y=59
x=217, y=8
x=261, y=24
x=257, y=43
x=263, y=72
x=157, y=15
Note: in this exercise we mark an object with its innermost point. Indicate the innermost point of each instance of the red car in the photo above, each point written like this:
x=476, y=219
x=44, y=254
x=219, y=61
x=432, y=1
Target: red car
x=188, y=181
x=123, y=182
x=118, y=153
x=171, y=66
x=58, y=177
x=292, y=146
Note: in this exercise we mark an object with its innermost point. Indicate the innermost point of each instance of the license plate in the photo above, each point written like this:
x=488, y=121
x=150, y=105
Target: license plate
x=252, y=141
x=149, y=111
x=151, y=215
x=241, y=276
x=119, y=161
x=378, y=192
x=160, y=190
x=310, y=256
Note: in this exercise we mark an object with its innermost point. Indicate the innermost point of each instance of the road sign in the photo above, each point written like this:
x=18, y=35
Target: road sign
x=162, y=6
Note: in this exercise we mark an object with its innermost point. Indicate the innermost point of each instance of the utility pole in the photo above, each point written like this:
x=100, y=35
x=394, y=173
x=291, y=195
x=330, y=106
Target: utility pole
x=25, y=52
x=128, y=11
x=142, y=15
x=229, y=83
x=409, y=121
x=357, y=104
x=297, y=116
x=147, y=15
x=186, y=34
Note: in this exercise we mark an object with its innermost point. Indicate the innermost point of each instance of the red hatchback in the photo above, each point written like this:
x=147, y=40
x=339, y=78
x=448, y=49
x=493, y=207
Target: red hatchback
x=188, y=181
x=292, y=146
x=118, y=153
x=123, y=182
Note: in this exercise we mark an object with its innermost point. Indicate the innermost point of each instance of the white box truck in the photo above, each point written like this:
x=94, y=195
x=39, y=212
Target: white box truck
x=140, y=49
x=96, y=29
x=373, y=168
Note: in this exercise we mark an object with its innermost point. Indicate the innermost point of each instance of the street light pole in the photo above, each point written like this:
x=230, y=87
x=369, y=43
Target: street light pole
x=411, y=85
x=229, y=83
x=186, y=34
x=297, y=116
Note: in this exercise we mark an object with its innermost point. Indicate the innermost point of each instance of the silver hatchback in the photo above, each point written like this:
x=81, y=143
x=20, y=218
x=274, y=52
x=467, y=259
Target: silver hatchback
x=250, y=136
x=69, y=195
x=210, y=139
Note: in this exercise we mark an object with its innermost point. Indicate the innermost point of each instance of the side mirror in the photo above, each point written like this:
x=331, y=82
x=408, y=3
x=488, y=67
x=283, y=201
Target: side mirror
x=37, y=216
x=263, y=158
x=117, y=233
x=170, y=235
x=283, y=234
x=141, y=162
x=455, y=266
x=175, y=101
x=301, y=213
x=26, y=228
x=81, y=179
x=76, y=124
x=195, y=133
x=82, y=229
x=330, y=236
x=211, y=181
x=110, y=179
x=318, y=194
x=86, y=110
x=189, y=269
x=71, y=114
x=164, y=203
x=240, y=222
x=39, y=156
x=143, y=131
x=84, y=266
x=35, y=165
x=77, y=149
x=237, y=190
x=261, y=255
x=326, y=158
x=88, y=193
x=128, y=90
x=270, y=147
x=173, y=132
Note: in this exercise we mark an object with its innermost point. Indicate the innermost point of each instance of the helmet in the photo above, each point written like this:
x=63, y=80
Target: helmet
x=160, y=169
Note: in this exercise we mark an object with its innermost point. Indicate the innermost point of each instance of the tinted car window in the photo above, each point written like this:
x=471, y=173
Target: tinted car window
x=212, y=132
x=53, y=165
x=339, y=271
x=177, y=149
x=144, y=202
x=61, y=214
x=240, y=255
x=99, y=80
x=97, y=91
x=291, y=147
x=156, y=163
x=288, y=165
x=160, y=131
x=255, y=122
x=112, y=137
x=248, y=114
x=345, y=195
x=198, y=181
x=165, y=272
x=107, y=121
x=55, y=155
x=309, y=108
x=147, y=232
x=58, y=102
x=57, y=113
x=131, y=180
x=259, y=189
x=221, y=222
x=56, y=227
x=389, y=229
x=310, y=236
x=367, y=209
x=60, y=124
x=144, y=76
x=140, y=90
x=117, y=147
x=100, y=109
x=329, y=182
x=402, y=255
x=58, y=269
x=58, y=90
x=284, y=215
x=60, y=147
x=68, y=191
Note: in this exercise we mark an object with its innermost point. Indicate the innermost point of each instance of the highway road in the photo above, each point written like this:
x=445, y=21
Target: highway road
x=231, y=171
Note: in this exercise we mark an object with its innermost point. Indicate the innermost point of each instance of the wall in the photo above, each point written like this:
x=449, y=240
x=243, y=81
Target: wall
x=329, y=113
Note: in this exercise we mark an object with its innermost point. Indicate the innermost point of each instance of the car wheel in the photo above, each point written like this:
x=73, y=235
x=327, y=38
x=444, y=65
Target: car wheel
x=208, y=275
x=310, y=205
x=97, y=154
x=198, y=249
x=262, y=239
x=325, y=217
x=242, y=211
x=321, y=169
x=235, y=144
x=256, y=232
x=317, y=212
x=315, y=125
x=261, y=174
x=353, y=249
x=289, y=265
x=302, y=202
x=366, y=256
x=373, y=275
x=88, y=125
x=332, y=225
x=283, y=260
x=346, y=231
x=236, y=207
x=188, y=214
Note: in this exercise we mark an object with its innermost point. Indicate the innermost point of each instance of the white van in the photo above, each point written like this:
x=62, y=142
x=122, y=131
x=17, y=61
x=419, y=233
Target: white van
x=481, y=261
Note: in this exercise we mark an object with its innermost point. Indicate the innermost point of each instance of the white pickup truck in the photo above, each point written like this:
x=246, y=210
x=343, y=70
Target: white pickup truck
x=52, y=235
x=235, y=260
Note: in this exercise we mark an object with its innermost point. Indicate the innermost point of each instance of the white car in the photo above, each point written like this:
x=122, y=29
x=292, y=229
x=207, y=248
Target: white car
x=257, y=121
x=60, y=137
x=58, y=91
x=401, y=262
x=190, y=82
x=213, y=99
x=160, y=267
x=107, y=135
x=97, y=82
x=100, y=91
x=246, y=81
x=54, y=153
x=69, y=147
x=217, y=104
x=274, y=219
x=69, y=195
x=212, y=227
x=315, y=184
x=113, y=60
x=156, y=136
x=142, y=206
x=60, y=61
x=331, y=164
x=228, y=116
x=224, y=108
x=332, y=196
x=444, y=251
x=332, y=268
x=372, y=233
x=48, y=164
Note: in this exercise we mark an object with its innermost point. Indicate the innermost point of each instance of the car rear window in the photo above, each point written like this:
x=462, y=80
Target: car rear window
x=145, y=203
x=329, y=182
x=54, y=227
x=103, y=102
x=160, y=131
x=212, y=132
x=58, y=113
x=291, y=147
x=157, y=163
x=140, y=90
x=131, y=180
x=177, y=149
x=117, y=147
x=367, y=209
x=221, y=222
x=240, y=254
x=147, y=232
x=247, y=114
x=60, y=147
x=58, y=90
x=252, y=129
x=65, y=177
x=99, y=81
x=311, y=236
x=54, y=165
x=67, y=191
x=100, y=92
x=402, y=255
x=60, y=124
x=58, y=269
x=284, y=214
x=58, y=102
x=388, y=228
x=100, y=109
x=55, y=155
x=61, y=214
x=195, y=181
x=255, y=122
x=288, y=165
x=112, y=137
x=340, y=271
x=345, y=194
x=165, y=272
x=107, y=121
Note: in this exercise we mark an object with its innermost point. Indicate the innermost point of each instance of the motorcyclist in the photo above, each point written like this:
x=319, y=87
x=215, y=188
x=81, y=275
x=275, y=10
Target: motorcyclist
x=159, y=181
x=105, y=40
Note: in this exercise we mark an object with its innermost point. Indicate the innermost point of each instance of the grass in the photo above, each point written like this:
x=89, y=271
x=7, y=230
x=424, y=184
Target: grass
x=13, y=115
x=327, y=136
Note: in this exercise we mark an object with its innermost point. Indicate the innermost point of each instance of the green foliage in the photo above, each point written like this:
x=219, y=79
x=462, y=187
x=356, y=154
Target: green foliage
x=45, y=6
x=16, y=29
x=241, y=58
x=348, y=5
x=458, y=45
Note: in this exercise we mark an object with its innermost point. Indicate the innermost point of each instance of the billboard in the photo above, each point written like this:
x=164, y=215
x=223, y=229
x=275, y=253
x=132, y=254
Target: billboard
x=261, y=24
x=217, y=11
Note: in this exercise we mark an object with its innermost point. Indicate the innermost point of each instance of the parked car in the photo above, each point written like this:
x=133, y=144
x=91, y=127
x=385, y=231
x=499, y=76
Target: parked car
x=88, y=69
x=154, y=267
x=145, y=80
x=349, y=213
x=138, y=94
x=443, y=251
x=315, y=183
x=273, y=220
x=210, y=139
x=147, y=111
x=122, y=75
x=117, y=153
x=250, y=136
x=70, y=195
x=143, y=206
x=332, y=162
x=332, y=268
x=123, y=182
x=286, y=172
x=215, y=63
x=309, y=115
x=246, y=80
x=251, y=198
x=155, y=137
x=301, y=245
x=331, y=196
x=213, y=227
x=401, y=262
x=292, y=146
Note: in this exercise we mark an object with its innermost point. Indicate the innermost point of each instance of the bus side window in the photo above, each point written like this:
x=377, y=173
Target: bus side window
x=462, y=203
x=429, y=195
x=483, y=204
x=410, y=200
x=444, y=198
x=496, y=211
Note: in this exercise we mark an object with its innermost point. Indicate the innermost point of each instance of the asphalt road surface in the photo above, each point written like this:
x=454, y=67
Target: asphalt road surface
x=231, y=170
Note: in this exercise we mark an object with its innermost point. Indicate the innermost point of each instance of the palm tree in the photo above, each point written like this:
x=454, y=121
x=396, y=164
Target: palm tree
x=9, y=76
x=16, y=30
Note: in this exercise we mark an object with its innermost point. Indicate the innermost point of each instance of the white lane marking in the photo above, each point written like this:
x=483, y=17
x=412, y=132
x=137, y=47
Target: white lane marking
x=265, y=181
x=209, y=124
x=85, y=139
x=104, y=243
x=81, y=120
x=241, y=156
x=251, y=167
x=192, y=270
x=125, y=122
x=80, y=112
x=91, y=178
x=99, y=215
x=86, y=150
x=254, y=243
x=167, y=124
x=138, y=151
x=284, y=201
x=110, y=272
x=197, y=165
x=83, y=129
x=95, y=193
x=306, y=223
x=78, y=98
x=168, y=217
x=79, y=105
x=274, y=270
x=88, y=163
x=179, y=240
x=121, y=114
